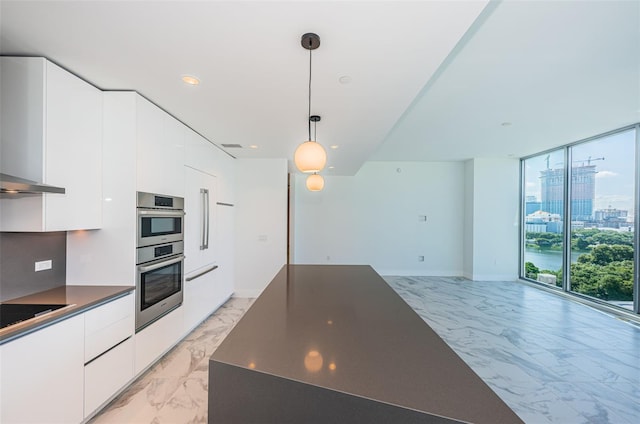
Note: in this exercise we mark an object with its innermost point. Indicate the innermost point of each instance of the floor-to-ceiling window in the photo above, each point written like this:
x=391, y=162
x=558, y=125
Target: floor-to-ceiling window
x=579, y=208
x=543, y=177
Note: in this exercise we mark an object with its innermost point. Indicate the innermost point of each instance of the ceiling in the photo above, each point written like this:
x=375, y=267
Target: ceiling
x=429, y=80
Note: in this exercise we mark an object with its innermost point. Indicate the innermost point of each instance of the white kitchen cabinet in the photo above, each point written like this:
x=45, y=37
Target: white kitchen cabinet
x=108, y=350
x=227, y=179
x=200, y=220
x=200, y=154
x=225, y=240
x=156, y=339
x=51, y=133
x=160, y=150
x=42, y=375
x=106, y=375
x=107, y=325
x=200, y=298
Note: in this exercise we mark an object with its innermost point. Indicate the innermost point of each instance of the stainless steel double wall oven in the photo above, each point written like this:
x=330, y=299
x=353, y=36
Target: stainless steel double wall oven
x=160, y=258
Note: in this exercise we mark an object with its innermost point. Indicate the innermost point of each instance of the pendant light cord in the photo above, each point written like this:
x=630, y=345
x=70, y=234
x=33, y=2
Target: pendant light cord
x=309, y=116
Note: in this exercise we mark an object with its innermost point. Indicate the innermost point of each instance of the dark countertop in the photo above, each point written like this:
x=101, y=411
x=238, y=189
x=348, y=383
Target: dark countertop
x=81, y=298
x=342, y=328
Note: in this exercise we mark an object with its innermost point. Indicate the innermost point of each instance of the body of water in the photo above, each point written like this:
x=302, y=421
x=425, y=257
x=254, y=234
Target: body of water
x=547, y=259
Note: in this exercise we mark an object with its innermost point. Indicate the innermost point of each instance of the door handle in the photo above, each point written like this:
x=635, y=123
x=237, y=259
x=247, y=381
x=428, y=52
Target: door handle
x=203, y=214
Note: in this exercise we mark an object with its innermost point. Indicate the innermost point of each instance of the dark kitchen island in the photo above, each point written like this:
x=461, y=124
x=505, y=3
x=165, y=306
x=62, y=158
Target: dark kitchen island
x=335, y=344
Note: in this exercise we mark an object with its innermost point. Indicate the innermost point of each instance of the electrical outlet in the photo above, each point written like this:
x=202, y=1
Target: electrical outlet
x=43, y=265
x=420, y=258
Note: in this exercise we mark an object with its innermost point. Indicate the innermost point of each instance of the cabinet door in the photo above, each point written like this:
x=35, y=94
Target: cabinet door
x=73, y=152
x=42, y=375
x=199, y=153
x=156, y=339
x=160, y=151
x=199, y=298
x=225, y=236
x=22, y=99
x=51, y=133
x=107, y=374
x=107, y=325
x=227, y=178
x=200, y=220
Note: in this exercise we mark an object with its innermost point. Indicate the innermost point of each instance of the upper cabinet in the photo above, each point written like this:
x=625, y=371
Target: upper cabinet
x=160, y=150
x=51, y=133
x=200, y=154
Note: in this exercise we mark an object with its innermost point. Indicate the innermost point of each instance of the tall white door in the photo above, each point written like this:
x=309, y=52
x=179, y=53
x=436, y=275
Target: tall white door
x=200, y=220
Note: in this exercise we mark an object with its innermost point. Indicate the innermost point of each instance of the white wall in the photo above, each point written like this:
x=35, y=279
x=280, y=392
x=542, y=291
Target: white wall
x=261, y=223
x=494, y=209
x=373, y=218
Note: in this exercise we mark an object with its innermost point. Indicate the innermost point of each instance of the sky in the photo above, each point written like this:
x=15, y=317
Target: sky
x=615, y=177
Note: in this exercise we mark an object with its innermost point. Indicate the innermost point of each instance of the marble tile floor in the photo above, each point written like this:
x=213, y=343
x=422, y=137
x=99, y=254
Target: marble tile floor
x=174, y=390
x=552, y=360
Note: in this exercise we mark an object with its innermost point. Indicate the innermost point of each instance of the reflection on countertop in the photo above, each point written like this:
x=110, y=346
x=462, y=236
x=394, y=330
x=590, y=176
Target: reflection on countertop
x=342, y=328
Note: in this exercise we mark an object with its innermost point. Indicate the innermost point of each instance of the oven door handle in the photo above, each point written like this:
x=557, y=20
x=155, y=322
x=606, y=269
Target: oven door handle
x=160, y=213
x=162, y=264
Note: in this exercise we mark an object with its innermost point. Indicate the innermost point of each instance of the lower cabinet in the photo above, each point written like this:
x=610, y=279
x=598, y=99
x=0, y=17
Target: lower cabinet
x=200, y=298
x=108, y=351
x=106, y=375
x=156, y=339
x=42, y=375
x=64, y=372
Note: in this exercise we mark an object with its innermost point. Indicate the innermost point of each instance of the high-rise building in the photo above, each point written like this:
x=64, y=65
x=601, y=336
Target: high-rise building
x=552, y=189
x=582, y=195
x=531, y=204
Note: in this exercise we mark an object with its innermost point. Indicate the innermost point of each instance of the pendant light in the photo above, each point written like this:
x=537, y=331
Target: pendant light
x=315, y=182
x=310, y=156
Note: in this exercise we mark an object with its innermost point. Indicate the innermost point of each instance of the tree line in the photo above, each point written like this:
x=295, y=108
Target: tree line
x=604, y=270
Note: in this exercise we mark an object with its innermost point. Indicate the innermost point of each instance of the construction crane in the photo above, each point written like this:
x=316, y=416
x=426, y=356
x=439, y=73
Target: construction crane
x=588, y=160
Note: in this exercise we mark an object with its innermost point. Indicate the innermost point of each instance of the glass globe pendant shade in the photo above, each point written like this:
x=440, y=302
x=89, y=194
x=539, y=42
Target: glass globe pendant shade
x=315, y=182
x=310, y=156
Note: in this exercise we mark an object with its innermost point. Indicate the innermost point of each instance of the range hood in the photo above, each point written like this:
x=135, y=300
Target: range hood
x=16, y=185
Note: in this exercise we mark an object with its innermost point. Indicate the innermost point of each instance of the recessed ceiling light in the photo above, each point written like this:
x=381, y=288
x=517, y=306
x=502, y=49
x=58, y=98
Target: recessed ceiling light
x=190, y=79
x=332, y=167
x=253, y=146
x=334, y=147
x=345, y=79
x=506, y=124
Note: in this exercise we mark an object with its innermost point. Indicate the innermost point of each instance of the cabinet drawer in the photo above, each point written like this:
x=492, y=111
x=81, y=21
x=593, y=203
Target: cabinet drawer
x=107, y=325
x=156, y=339
x=106, y=375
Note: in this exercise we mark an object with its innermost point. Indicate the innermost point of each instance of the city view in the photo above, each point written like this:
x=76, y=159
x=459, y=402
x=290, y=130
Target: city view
x=602, y=210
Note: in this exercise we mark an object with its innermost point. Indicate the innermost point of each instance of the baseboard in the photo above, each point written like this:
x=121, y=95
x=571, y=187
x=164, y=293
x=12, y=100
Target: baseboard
x=247, y=294
x=418, y=272
x=493, y=277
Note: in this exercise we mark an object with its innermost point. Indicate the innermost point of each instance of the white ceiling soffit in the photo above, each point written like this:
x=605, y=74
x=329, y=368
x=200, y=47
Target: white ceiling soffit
x=252, y=68
x=531, y=76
